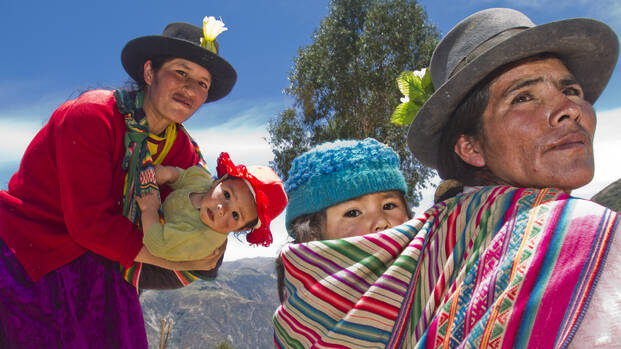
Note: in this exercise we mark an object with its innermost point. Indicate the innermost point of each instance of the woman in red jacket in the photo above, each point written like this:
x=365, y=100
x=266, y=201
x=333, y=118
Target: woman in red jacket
x=64, y=227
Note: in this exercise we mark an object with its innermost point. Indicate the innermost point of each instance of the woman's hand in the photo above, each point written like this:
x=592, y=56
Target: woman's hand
x=166, y=174
x=207, y=263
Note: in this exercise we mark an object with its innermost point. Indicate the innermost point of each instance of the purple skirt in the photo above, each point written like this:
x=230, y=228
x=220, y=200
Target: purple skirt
x=84, y=304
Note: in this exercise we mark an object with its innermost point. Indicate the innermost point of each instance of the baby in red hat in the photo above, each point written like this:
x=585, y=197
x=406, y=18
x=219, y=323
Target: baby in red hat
x=200, y=212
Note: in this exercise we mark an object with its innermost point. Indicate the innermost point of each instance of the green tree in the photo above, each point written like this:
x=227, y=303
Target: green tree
x=344, y=83
x=223, y=345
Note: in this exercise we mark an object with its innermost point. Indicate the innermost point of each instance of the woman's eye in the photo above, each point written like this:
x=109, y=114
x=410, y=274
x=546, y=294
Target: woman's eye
x=227, y=195
x=389, y=206
x=521, y=98
x=203, y=85
x=235, y=216
x=352, y=213
x=182, y=73
x=572, y=91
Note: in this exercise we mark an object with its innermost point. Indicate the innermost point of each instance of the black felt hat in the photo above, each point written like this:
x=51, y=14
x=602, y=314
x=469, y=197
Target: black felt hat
x=180, y=40
x=492, y=38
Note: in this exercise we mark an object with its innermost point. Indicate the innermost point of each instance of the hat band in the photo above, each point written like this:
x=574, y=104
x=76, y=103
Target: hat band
x=486, y=45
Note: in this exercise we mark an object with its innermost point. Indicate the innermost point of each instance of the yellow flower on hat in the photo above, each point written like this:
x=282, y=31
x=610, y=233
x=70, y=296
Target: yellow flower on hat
x=211, y=28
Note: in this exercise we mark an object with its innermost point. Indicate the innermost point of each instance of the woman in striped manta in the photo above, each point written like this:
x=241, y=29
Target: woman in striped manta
x=512, y=260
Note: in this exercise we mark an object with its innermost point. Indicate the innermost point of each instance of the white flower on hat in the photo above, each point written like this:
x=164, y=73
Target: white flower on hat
x=420, y=73
x=212, y=27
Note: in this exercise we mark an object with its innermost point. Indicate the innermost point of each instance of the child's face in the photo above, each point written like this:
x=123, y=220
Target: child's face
x=228, y=206
x=364, y=215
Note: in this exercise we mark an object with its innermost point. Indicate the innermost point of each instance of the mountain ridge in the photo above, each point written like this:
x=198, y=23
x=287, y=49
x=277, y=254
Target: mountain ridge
x=236, y=307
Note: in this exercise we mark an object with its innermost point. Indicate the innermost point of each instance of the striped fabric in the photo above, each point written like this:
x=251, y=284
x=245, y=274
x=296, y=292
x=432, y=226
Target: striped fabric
x=499, y=267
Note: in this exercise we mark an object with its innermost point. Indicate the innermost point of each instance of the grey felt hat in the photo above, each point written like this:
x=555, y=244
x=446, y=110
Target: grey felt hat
x=492, y=38
x=181, y=40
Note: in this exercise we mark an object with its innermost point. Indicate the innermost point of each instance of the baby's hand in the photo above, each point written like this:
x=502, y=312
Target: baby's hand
x=148, y=201
x=166, y=174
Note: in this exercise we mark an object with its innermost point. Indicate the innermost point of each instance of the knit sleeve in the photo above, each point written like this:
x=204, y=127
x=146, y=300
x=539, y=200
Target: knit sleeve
x=87, y=147
x=180, y=241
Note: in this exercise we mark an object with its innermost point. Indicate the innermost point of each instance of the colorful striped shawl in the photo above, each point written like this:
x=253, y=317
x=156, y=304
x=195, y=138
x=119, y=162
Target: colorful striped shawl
x=500, y=267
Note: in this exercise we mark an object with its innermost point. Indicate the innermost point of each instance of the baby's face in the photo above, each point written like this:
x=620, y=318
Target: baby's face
x=364, y=215
x=228, y=206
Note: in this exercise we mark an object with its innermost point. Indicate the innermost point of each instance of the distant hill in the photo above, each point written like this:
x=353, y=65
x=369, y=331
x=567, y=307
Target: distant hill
x=237, y=307
x=610, y=196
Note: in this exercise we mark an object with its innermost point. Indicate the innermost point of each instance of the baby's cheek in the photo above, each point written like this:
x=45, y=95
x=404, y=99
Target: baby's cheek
x=347, y=230
x=341, y=233
x=359, y=229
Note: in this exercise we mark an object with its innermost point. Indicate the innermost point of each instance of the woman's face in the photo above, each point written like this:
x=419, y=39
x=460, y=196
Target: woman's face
x=537, y=128
x=364, y=215
x=175, y=91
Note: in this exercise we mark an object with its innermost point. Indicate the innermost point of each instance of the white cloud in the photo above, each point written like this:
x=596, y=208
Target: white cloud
x=245, y=145
x=238, y=248
x=236, y=114
x=16, y=134
x=20, y=123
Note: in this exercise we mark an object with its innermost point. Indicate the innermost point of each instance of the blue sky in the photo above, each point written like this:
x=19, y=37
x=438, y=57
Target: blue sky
x=53, y=50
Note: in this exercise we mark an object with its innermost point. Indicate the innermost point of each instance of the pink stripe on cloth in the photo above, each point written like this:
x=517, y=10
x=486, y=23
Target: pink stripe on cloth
x=574, y=255
x=394, y=252
x=309, y=333
x=586, y=289
x=320, y=291
x=556, y=279
x=524, y=296
x=293, y=323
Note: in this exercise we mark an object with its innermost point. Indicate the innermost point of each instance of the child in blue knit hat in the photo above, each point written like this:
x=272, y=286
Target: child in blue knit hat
x=341, y=189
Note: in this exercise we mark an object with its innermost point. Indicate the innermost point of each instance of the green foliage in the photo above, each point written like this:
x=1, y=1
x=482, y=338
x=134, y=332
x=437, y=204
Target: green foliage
x=344, y=85
x=416, y=88
x=288, y=139
x=223, y=345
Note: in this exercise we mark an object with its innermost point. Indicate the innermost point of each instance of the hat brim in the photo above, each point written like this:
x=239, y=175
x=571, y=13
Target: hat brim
x=141, y=49
x=588, y=48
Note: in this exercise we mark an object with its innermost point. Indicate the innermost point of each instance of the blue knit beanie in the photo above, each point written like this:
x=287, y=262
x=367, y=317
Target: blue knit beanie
x=338, y=171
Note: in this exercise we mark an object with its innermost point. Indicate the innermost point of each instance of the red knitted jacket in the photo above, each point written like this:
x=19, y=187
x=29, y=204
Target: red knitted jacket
x=66, y=196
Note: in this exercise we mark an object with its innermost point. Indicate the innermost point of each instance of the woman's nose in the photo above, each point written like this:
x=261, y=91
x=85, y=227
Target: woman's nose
x=565, y=109
x=190, y=87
